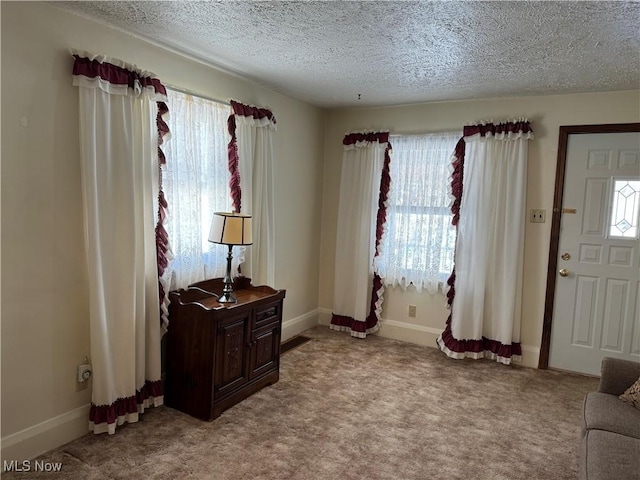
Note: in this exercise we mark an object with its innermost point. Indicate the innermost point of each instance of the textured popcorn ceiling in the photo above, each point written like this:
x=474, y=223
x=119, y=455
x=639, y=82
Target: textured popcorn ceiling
x=397, y=52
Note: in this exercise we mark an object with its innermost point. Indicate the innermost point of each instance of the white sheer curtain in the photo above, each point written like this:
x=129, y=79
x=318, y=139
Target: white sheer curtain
x=196, y=184
x=119, y=155
x=419, y=241
x=486, y=309
x=357, y=235
x=254, y=129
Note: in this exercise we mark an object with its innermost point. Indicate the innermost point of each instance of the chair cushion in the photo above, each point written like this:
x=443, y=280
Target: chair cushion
x=607, y=412
x=608, y=456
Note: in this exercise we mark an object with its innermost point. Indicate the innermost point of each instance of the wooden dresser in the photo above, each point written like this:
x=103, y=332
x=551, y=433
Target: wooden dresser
x=219, y=354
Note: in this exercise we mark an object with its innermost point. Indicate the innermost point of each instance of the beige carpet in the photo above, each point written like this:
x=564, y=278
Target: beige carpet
x=357, y=409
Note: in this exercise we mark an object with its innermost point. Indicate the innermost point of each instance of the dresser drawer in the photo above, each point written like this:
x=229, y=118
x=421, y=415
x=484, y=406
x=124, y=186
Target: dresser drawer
x=268, y=314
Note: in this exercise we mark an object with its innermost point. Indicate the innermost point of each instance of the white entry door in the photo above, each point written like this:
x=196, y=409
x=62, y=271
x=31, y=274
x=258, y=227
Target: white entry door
x=597, y=298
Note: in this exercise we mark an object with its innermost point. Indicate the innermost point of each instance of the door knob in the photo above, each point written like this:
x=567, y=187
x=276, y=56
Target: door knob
x=564, y=272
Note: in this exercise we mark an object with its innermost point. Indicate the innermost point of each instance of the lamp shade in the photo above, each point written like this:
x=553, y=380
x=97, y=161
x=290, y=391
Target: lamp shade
x=231, y=229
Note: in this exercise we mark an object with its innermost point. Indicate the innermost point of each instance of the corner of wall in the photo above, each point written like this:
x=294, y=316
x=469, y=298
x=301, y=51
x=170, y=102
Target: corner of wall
x=530, y=357
x=297, y=325
x=324, y=316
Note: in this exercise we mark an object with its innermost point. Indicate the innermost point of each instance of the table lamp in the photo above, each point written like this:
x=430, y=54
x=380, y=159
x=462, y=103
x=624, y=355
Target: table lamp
x=230, y=229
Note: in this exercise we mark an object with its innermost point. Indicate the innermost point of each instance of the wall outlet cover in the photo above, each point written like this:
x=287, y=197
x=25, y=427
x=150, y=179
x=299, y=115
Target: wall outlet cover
x=537, y=215
x=84, y=372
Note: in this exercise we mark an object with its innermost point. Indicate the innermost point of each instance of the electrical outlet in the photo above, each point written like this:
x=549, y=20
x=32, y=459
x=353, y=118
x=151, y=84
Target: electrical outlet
x=537, y=215
x=84, y=372
x=412, y=311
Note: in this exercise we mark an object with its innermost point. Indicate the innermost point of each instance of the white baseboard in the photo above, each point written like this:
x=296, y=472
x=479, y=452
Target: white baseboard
x=409, y=332
x=421, y=335
x=297, y=325
x=33, y=441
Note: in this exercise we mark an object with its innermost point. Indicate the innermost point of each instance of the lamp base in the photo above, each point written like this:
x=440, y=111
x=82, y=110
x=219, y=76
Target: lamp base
x=227, y=297
x=227, y=292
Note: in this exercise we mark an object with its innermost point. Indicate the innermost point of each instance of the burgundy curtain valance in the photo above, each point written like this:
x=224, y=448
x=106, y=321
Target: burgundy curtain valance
x=114, y=75
x=508, y=129
x=363, y=138
x=252, y=111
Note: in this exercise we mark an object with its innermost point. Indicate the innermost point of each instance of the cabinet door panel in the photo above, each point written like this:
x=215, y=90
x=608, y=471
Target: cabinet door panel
x=265, y=349
x=231, y=358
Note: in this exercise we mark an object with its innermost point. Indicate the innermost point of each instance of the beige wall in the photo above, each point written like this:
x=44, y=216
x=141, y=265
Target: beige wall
x=45, y=329
x=547, y=114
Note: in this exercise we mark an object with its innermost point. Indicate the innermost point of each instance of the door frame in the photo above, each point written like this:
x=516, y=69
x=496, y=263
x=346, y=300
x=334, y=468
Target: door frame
x=563, y=140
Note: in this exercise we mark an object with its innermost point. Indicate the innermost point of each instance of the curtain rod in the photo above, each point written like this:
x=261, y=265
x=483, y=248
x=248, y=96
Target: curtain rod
x=189, y=92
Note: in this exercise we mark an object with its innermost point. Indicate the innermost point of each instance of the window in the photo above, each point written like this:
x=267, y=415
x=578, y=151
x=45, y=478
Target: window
x=196, y=184
x=419, y=240
x=624, y=208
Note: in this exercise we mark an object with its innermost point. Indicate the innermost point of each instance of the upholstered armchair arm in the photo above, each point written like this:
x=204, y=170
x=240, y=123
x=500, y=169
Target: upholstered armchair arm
x=617, y=375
